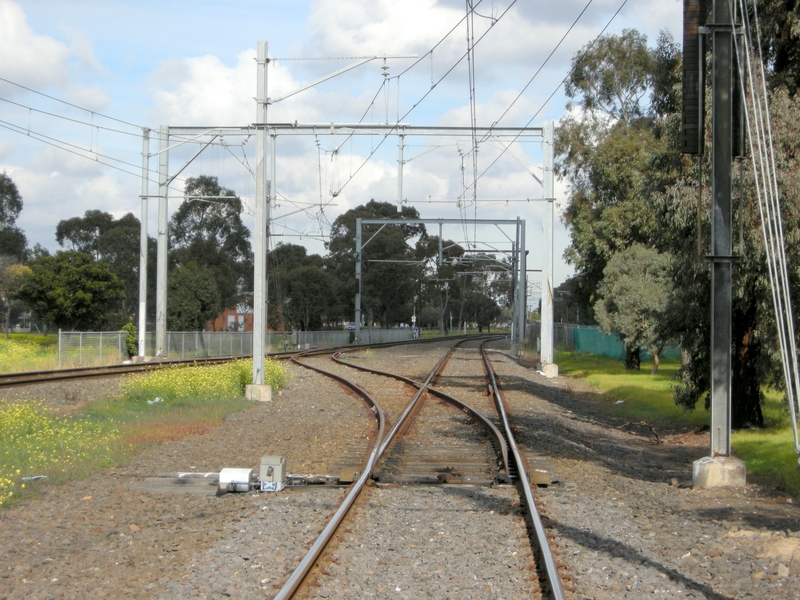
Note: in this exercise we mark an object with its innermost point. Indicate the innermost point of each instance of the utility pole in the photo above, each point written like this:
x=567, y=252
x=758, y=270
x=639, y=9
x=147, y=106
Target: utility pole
x=143, y=245
x=549, y=368
x=259, y=391
x=161, y=259
x=720, y=468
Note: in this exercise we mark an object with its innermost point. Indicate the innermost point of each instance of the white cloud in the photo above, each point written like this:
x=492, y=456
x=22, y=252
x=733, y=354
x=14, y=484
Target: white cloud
x=40, y=61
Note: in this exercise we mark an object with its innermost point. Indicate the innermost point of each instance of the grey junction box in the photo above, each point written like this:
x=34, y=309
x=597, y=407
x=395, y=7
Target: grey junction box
x=272, y=473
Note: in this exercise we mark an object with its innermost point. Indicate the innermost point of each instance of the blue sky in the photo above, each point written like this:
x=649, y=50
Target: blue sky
x=191, y=63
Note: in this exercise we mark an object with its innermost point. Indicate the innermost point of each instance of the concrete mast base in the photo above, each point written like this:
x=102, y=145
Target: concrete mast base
x=719, y=471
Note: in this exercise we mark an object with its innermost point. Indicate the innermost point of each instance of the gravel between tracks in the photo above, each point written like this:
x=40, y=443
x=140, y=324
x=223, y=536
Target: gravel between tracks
x=623, y=529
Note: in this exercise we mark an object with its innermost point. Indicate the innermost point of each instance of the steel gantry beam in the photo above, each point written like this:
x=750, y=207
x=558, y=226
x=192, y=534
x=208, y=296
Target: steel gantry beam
x=266, y=189
x=518, y=269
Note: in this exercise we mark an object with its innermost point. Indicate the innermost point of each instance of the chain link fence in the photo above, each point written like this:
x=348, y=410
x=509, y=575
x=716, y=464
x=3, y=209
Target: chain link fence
x=94, y=348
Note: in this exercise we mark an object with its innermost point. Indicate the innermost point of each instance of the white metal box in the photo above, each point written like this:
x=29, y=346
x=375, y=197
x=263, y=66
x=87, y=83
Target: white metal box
x=272, y=473
x=235, y=480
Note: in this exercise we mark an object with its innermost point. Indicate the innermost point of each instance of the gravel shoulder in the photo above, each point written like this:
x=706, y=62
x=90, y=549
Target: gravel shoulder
x=627, y=522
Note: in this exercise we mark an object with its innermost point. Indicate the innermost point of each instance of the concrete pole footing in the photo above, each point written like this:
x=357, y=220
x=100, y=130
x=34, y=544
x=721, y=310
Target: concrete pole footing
x=719, y=471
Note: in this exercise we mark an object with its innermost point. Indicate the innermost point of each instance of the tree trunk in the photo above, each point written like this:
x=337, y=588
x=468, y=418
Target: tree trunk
x=633, y=360
x=7, y=320
x=746, y=393
x=654, y=370
x=656, y=358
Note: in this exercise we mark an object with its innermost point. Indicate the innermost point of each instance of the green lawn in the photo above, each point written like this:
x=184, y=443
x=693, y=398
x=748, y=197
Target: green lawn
x=769, y=452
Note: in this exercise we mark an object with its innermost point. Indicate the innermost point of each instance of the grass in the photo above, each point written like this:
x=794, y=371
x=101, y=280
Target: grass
x=769, y=452
x=38, y=441
x=27, y=352
x=646, y=397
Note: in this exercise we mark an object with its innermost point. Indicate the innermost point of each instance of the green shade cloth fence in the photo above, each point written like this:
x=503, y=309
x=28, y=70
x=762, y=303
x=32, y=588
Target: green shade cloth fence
x=590, y=340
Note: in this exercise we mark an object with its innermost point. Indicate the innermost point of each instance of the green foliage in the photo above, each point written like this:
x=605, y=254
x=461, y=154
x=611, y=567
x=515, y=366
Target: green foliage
x=113, y=241
x=309, y=296
x=613, y=75
x=283, y=260
x=25, y=352
x=276, y=374
x=193, y=298
x=10, y=201
x=13, y=277
x=181, y=384
x=12, y=240
x=71, y=290
x=387, y=288
x=132, y=339
x=209, y=233
x=779, y=33
x=633, y=297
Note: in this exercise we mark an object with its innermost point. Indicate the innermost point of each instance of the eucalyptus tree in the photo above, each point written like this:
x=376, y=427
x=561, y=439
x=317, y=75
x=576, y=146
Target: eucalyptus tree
x=388, y=279
x=12, y=240
x=207, y=230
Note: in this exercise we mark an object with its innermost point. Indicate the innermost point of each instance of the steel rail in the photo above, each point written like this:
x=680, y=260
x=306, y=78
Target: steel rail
x=536, y=521
x=476, y=414
x=34, y=377
x=301, y=571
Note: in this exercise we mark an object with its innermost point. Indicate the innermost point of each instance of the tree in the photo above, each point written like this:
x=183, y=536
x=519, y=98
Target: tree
x=619, y=151
x=193, y=298
x=387, y=287
x=755, y=361
x=71, y=290
x=13, y=277
x=633, y=299
x=310, y=296
x=283, y=260
x=115, y=242
x=780, y=41
x=613, y=76
x=440, y=280
x=12, y=240
x=482, y=309
x=207, y=229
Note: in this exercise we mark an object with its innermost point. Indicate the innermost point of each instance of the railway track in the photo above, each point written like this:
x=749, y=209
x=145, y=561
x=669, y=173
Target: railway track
x=444, y=440
x=445, y=429
x=34, y=377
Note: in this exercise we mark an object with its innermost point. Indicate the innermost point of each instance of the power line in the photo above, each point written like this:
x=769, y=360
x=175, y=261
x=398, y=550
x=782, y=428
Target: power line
x=70, y=103
x=546, y=60
x=44, y=112
x=426, y=94
x=558, y=87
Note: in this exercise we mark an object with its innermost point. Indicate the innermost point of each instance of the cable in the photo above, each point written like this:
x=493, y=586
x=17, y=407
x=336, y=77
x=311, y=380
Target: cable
x=450, y=70
x=92, y=125
x=558, y=87
x=542, y=66
x=70, y=104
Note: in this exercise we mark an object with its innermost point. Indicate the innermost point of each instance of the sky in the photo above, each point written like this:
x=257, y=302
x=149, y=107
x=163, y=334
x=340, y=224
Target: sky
x=79, y=81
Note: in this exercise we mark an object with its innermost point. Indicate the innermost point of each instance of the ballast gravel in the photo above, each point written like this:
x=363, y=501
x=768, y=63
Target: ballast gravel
x=626, y=521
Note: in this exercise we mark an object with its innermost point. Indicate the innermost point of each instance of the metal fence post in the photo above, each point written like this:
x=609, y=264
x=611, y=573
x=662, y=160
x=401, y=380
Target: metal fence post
x=80, y=349
x=101, y=347
x=59, y=348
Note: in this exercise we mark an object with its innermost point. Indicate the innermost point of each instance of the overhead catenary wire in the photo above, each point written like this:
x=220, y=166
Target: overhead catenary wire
x=558, y=87
x=426, y=94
